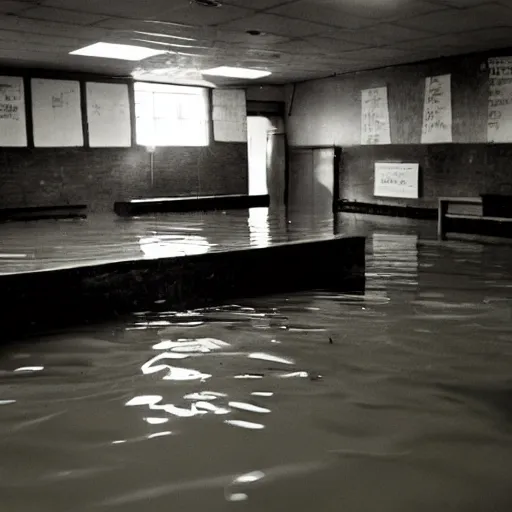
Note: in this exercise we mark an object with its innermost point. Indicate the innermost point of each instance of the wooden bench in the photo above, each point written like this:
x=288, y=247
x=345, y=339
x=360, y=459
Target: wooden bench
x=68, y=211
x=135, y=207
x=452, y=217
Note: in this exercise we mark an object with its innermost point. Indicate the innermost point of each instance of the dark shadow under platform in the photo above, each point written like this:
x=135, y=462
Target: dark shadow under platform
x=37, y=301
x=411, y=212
x=134, y=207
x=67, y=211
x=481, y=226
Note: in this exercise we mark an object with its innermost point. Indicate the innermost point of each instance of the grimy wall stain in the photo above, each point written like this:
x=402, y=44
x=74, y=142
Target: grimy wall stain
x=328, y=112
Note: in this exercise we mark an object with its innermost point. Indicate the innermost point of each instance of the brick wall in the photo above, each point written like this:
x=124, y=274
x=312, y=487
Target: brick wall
x=98, y=177
x=461, y=170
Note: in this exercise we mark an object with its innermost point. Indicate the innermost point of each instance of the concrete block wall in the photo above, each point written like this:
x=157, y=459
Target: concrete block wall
x=98, y=177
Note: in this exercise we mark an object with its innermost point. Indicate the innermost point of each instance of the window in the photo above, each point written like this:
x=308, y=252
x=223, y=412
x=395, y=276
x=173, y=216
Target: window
x=171, y=115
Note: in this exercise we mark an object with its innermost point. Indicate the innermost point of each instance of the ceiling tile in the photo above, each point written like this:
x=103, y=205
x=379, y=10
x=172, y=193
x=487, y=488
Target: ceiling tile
x=459, y=40
x=379, y=35
x=158, y=29
x=257, y=5
x=62, y=15
x=188, y=35
x=459, y=4
x=246, y=39
x=319, y=12
x=385, y=10
x=49, y=40
x=13, y=54
x=427, y=44
x=330, y=44
x=64, y=61
x=23, y=25
x=194, y=14
x=142, y=9
x=355, y=13
x=32, y=47
x=43, y=34
x=14, y=7
x=273, y=24
x=501, y=34
x=114, y=23
x=317, y=46
x=373, y=54
x=483, y=16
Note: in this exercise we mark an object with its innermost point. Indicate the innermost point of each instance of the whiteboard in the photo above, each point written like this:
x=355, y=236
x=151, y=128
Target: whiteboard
x=13, y=124
x=229, y=115
x=437, y=110
x=108, y=115
x=56, y=113
x=396, y=180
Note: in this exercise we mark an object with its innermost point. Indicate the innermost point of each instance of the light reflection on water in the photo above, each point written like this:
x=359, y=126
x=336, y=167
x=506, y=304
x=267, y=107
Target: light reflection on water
x=105, y=238
x=251, y=404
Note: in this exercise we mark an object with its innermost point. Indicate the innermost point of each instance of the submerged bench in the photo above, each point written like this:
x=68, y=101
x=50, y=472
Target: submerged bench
x=470, y=215
x=68, y=211
x=72, y=296
x=135, y=207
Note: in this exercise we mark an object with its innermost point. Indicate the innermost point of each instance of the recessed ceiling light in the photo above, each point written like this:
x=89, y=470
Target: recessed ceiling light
x=236, y=72
x=117, y=51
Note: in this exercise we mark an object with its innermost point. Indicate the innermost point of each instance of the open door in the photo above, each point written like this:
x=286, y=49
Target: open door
x=267, y=157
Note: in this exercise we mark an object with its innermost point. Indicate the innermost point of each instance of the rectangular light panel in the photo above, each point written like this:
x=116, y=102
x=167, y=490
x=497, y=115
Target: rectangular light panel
x=117, y=51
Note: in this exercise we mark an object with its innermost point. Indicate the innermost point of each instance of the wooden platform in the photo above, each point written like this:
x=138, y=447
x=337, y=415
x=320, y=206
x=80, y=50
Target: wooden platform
x=41, y=300
x=107, y=238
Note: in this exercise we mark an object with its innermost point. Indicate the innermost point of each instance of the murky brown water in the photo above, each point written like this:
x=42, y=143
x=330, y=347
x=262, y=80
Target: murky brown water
x=251, y=407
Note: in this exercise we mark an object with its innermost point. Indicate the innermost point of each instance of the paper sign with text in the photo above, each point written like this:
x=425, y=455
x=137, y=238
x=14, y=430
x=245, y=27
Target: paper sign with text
x=396, y=180
x=437, y=110
x=499, y=120
x=13, y=125
x=375, y=116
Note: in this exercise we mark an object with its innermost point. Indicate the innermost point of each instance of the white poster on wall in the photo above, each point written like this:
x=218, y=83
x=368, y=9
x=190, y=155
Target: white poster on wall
x=13, y=126
x=108, y=115
x=437, y=110
x=56, y=113
x=375, y=116
x=499, y=120
x=396, y=180
x=229, y=115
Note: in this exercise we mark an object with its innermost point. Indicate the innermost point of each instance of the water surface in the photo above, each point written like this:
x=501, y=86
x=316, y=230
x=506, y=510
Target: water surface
x=398, y=400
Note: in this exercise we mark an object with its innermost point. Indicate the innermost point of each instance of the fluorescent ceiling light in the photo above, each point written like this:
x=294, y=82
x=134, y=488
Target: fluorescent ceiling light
x=236, y=72
x=117, y=51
